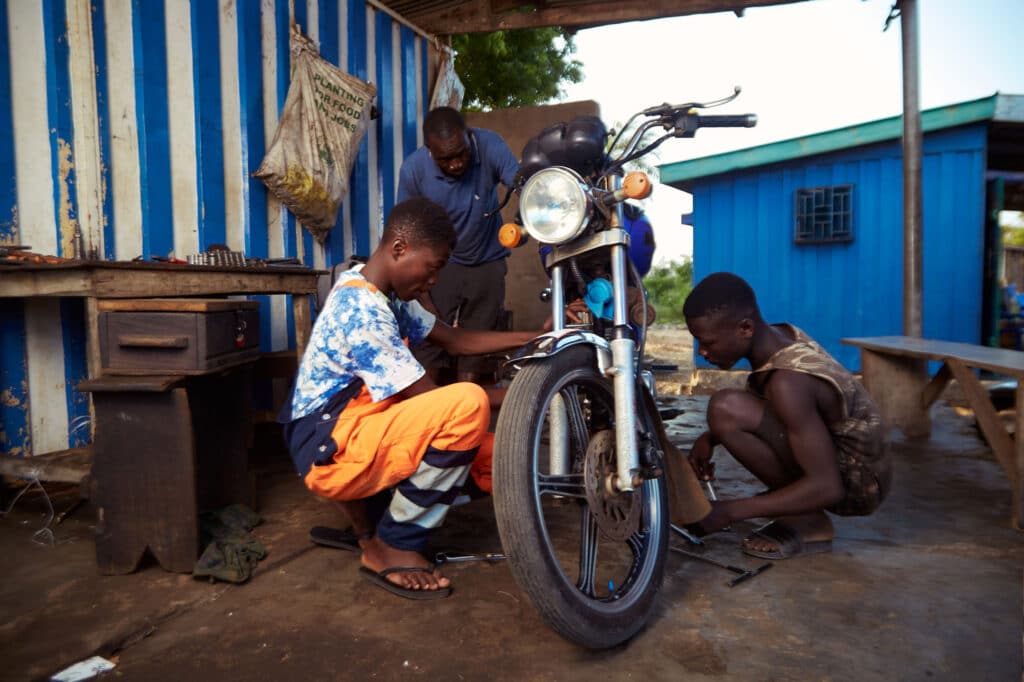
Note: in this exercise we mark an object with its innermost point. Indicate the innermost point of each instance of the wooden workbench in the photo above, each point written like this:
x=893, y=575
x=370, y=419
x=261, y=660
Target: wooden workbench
x=895, y=374
x=94, y=280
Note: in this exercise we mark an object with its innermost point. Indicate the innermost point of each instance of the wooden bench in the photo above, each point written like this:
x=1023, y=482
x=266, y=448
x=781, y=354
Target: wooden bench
x=895, y=372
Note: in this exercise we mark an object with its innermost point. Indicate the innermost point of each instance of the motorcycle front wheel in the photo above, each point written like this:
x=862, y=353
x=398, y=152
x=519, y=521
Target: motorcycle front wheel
x=590, y=559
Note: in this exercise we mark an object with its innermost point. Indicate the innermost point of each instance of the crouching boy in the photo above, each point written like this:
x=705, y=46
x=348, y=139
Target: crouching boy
x=365, y=423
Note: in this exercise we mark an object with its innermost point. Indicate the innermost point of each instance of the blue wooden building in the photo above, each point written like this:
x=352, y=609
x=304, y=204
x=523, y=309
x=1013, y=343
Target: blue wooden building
x=815, y=224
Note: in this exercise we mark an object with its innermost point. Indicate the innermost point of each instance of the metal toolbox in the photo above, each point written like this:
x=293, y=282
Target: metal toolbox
x=176, y=335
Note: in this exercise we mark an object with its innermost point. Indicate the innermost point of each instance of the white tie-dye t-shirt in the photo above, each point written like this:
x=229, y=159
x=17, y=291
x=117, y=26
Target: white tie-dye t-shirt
x=358, y=335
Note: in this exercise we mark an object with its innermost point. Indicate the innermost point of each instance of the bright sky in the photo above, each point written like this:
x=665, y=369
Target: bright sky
x=804, y=68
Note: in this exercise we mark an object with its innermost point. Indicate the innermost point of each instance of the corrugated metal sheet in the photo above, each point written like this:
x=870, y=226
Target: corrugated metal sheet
x=744, y=223
x=140, y=122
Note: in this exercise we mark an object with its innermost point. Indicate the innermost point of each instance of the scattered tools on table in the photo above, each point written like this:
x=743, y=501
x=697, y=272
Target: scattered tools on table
x=17, y=254
x=11, y=249
x=742, y=573
x=457, y=558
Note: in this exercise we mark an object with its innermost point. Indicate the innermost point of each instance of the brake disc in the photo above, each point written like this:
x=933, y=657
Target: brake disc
x=617, y=513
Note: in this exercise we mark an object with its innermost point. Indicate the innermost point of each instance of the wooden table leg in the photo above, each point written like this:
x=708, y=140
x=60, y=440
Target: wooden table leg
x=896, y=384
x=303, y=325
x=92, y=337
x=991, y=427
x=1018, y=450
x=93, y=356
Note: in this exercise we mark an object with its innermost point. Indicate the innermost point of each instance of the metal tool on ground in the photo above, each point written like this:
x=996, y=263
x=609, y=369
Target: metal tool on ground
x=687, y=535
x=742, y=573
x=457, y=558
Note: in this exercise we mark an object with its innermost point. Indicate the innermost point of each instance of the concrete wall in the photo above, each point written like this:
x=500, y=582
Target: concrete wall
x=526, y=278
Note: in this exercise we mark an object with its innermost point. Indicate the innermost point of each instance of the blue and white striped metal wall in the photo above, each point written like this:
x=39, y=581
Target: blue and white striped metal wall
x=743, y=223
x=140, y=122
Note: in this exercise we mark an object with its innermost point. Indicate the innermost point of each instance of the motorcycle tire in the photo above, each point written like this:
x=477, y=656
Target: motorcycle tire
x=530, y=508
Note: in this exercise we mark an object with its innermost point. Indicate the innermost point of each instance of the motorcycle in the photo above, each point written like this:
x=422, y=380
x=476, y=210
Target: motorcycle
x=580, y=491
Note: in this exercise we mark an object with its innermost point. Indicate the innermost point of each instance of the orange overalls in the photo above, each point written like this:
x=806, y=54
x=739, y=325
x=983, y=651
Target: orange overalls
x=422, y=448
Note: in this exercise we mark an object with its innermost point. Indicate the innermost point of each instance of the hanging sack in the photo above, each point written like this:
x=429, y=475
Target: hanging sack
x=448, y=88
x=309, y=161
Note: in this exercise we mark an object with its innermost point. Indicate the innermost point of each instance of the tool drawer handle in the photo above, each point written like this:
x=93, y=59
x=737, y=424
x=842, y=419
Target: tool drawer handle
x=150, y=341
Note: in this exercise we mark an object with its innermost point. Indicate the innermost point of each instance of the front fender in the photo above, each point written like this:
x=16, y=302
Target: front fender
x=547, y=345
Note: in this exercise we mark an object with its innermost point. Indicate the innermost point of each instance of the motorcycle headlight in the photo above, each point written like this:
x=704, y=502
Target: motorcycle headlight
x=554, y=205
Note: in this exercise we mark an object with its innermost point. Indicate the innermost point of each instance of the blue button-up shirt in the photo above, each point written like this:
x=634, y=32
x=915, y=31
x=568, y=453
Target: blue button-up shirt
x=467, y=198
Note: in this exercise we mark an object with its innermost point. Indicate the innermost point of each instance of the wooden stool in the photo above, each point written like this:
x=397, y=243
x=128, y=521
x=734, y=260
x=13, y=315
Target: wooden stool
x=166, y=448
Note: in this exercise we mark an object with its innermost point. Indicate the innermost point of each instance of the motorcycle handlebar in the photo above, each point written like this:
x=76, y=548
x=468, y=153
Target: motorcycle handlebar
x=724, y=121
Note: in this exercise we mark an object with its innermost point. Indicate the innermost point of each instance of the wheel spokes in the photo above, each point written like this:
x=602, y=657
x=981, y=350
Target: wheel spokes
x=579, y=434
x=567, y=485
x=588, y=552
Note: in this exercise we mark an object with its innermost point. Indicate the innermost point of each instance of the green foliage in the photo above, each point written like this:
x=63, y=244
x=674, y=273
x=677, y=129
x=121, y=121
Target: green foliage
x=1013, y=236
x=515, y=68
x=667, y=288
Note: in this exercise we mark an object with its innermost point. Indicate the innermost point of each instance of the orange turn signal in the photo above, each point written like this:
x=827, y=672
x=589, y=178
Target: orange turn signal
x=511, y=235
x=637, y=185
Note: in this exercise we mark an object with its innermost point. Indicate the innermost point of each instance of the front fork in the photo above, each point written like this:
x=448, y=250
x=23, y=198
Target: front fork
x=622, y=372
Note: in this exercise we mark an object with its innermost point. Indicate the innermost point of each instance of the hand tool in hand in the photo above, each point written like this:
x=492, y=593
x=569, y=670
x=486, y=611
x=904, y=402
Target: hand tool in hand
x=743, y=573
x=711, y=490
x=714, y=498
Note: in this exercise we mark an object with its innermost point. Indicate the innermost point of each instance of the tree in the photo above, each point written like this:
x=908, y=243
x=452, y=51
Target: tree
x=515, y=68
x=667, y=288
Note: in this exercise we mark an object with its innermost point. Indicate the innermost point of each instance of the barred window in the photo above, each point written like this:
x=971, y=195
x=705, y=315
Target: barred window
x=824, y=214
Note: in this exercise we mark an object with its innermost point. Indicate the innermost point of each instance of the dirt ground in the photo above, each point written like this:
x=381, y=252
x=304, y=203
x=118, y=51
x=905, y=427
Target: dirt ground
x=670, y=349
x=928, y=588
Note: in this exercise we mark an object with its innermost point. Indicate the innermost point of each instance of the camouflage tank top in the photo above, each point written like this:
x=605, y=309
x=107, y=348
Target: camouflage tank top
x=860, y=435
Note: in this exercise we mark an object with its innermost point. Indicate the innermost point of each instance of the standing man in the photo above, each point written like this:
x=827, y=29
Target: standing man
x=459, y=168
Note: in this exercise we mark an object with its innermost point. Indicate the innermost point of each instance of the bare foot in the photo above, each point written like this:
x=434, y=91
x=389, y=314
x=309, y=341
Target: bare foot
x=812, y=527
x=377, y=556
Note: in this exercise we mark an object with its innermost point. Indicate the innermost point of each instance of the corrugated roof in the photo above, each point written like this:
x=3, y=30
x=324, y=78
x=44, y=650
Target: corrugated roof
x=998, y=108
x=444, y=17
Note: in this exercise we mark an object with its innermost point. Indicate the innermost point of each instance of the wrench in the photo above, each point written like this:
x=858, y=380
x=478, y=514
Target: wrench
x=744, y=574
x=452, y=558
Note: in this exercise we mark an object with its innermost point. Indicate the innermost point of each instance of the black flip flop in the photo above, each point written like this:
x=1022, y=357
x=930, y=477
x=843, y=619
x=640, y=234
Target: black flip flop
x=334, y=537
x=787, y=540
x=380, y=580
